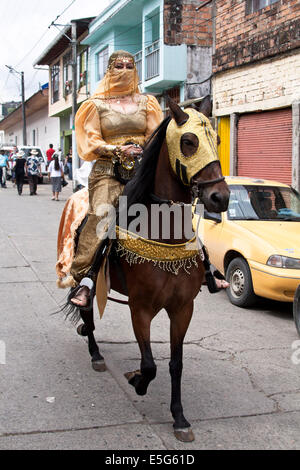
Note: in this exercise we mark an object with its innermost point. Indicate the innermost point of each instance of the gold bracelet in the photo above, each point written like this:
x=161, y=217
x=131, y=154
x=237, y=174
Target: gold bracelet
x=118, y=151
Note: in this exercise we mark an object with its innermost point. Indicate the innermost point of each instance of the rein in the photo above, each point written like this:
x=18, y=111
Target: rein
x=195, y=189
x=204, y=183
x=159, y=200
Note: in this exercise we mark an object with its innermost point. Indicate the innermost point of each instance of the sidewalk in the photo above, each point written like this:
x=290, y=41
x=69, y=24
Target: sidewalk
x=240, y=388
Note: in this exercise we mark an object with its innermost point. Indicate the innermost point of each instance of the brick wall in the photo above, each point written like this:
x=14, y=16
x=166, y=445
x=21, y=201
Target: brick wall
x=184, y=25
x=243, y=38
x=271, y=84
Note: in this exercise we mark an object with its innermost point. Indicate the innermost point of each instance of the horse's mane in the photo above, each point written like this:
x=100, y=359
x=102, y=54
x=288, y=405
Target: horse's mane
x=141, y=184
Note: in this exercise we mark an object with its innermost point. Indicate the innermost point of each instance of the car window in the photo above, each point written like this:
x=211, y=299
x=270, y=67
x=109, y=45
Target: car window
x=253, y=202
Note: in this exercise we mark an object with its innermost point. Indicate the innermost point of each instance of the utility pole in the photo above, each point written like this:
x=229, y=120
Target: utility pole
x=75, y=159
x=12, y=70
x=23, y=109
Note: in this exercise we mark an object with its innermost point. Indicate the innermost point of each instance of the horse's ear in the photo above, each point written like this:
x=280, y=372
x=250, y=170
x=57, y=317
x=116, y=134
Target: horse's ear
x=206, y=106
x=177, y=113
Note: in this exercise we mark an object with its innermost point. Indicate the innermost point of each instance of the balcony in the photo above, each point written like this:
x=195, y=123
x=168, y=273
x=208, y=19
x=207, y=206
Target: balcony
x=138, y=57
x=152, y=60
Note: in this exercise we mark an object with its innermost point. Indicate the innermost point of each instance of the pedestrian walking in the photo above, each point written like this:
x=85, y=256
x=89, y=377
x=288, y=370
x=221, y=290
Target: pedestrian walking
x=33, y=171
x=12, y=158
x=69, y=163
x=59, y=154
x=19, y=170
x=49, y=154
x=3, y=167
x=56, y=174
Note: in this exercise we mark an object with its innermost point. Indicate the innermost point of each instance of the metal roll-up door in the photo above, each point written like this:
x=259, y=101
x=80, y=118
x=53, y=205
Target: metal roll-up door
x=264, y=148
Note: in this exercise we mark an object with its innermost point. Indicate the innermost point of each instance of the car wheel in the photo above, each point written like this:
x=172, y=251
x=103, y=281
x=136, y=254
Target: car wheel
x=296, y=309
x=240, y=292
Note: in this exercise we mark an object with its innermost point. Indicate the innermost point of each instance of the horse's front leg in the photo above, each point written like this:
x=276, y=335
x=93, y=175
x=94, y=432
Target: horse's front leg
x=180, y=321
x=87, y=329
x=141, y=321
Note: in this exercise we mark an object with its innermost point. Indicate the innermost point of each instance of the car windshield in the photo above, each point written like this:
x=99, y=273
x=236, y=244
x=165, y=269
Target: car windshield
x=253, y=202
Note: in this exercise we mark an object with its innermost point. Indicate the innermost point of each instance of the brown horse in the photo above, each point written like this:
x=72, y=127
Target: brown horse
x=150, y=288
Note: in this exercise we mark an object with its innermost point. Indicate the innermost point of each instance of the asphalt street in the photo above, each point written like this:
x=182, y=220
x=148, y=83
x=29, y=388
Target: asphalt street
x=240, y=385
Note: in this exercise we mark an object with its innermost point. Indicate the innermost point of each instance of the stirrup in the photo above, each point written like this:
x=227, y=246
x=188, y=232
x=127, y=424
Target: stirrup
x=86, y=282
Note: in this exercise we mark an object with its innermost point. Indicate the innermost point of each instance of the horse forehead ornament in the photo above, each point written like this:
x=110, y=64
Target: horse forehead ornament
x=187, y=167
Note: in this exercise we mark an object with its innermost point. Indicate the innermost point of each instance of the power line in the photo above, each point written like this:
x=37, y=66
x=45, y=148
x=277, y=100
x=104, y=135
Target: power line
x=33, y=47
x=44, y=34
x=118, y=35
x=73, y=1
x=36, y=43
x=123, y=32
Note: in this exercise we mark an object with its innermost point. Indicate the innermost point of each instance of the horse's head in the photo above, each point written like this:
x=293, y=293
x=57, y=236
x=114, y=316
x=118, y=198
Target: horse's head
x=192, y=147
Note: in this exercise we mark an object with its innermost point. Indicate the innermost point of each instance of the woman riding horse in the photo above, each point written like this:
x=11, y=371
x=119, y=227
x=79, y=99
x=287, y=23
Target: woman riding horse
x=114, y=124
x=180, y=162
x=116, y=114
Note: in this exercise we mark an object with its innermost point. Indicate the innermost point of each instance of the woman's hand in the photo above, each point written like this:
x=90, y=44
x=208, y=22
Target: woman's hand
x=131, y=151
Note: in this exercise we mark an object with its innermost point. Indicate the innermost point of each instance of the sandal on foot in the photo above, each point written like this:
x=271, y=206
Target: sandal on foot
x=89, y=297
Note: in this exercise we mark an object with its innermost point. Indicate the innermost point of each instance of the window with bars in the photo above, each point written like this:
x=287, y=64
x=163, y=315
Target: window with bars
x=256, y=5
x=55, y=82
x=82, y=66
x=102, y=63
x=67, y=62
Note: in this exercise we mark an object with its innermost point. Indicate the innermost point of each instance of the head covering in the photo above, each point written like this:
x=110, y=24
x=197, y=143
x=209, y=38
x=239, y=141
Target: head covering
x=34, y=152
x=116, y=82
x=187, y=167
x=20, y=154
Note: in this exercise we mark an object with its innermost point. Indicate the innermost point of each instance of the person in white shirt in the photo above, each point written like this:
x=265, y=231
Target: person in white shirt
x=55, y=174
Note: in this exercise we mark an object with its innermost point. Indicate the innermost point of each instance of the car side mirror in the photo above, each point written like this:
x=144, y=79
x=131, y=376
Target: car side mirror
x=213, y=216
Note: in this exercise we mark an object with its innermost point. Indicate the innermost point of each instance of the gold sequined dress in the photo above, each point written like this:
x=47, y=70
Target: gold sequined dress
x=97, y=127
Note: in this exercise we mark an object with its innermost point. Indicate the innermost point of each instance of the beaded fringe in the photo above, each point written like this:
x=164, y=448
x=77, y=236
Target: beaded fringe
x=169, y=266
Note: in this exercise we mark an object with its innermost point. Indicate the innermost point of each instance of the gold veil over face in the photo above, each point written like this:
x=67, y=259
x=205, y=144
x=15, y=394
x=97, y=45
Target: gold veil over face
x=116, y=82
x=187, y=167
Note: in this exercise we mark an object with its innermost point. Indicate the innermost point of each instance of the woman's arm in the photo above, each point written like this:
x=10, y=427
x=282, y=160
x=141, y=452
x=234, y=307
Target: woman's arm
x=90, y=143
x=154, y=115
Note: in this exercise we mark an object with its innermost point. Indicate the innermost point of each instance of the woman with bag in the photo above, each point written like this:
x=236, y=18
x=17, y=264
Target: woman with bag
x=56, y=174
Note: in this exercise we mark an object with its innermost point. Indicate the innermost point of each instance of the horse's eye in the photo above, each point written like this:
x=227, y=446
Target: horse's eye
x=187, y=142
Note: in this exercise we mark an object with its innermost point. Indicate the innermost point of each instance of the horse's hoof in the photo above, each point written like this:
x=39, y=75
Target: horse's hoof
x=184, y=435
x=81, y=330
x=99, y=366
x=131, y=375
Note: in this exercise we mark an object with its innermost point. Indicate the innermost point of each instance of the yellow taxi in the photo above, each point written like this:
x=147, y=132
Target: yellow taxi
x=256, y=243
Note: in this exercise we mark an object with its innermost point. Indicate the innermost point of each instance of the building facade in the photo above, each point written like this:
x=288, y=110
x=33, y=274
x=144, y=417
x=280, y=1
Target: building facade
x=171, y=42
x=58, y=56
x=41, y=130
x=256, y=87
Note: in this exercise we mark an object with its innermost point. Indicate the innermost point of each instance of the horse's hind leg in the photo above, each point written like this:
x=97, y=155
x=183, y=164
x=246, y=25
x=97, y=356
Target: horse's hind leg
x=179, y=325
x=140, y=379
x=87, y=329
